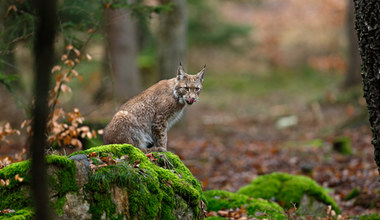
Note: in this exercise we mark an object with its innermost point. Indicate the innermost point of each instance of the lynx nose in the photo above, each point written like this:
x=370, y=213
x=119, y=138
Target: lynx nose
x=190, y=101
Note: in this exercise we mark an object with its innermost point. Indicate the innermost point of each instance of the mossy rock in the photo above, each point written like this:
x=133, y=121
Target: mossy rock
x=353, y=194
x=342, y=145
x=215, y=218
x=133, y=187
x=16, y=196
x=257, y=208
x=288, y=190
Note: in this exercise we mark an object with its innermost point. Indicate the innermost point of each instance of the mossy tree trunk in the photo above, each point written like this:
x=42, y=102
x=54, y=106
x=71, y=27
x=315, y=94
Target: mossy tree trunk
x=44, y=55
x=367, y=14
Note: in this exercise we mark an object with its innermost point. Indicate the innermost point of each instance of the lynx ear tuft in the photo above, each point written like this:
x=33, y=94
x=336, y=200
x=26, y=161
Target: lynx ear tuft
x=201, y=74
x=180, y=72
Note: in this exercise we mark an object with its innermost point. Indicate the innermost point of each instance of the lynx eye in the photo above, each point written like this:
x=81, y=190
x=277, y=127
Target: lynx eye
x=187, y=89
x=197, y=89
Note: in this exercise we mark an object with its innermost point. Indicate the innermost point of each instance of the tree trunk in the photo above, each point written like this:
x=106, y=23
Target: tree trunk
x=368, y=29
x=172, y=38
x=122, y=49
x=44, y=55
x=353, y=70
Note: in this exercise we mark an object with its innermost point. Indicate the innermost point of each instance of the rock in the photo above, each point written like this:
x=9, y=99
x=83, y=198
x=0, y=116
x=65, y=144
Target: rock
x=290, y=190
x=285, y=122
x=82, y=169
x=309, y=206
x=75, y=207
x=109, y=182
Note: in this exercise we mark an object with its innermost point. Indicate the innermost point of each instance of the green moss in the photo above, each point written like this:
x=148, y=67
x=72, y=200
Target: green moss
x=58, y=205
x=220, y=199
x=17, y=194
x=287, y=189
x=354, y=193
x=22, y=214
x=154, y=190
x=151, y=187
x=95, y=161
x=65, y=181
x=15, y=168
x=342, y=145
x=143, y=193
x=215, y=218
x=374, y=216
x=258, y=208
x=117, y=150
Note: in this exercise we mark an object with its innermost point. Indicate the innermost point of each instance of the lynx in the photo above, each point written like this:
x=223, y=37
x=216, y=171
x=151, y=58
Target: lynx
x=144, y=120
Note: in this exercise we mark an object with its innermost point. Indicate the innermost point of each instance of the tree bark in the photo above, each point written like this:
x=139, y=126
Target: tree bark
x=44, y=55
x=367, y=14
x=122, y=49
x=172, y=38
x=352, y=77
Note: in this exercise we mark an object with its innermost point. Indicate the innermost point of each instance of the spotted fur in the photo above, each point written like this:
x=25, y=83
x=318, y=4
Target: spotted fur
x=144, y=120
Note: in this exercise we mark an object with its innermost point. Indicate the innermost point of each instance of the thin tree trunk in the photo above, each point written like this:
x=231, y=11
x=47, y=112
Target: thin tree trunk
x=172, y=38
x=44, y=55
x=368, y=29
x=353, y=76
x=122, y=49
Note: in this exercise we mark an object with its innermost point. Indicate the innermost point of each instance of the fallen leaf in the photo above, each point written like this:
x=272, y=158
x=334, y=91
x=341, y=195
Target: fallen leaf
x=69, y=47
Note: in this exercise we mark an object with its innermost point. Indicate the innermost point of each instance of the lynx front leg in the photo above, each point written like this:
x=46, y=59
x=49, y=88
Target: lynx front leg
x=160, y=132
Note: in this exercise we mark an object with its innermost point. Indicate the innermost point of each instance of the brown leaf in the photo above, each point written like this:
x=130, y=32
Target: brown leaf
x=102, y=165
x=18, y=178
x=7, y=211
x=56, y=68
x=80, y=78
x=69, y=47
x=211, y=214
x=64, y=57
x=223, y=213
x=93, y=167
x=76, y=51
x=69, y=63
x=124, y=157
x=65, y=88
x=88, y=56
x=75, y=142
x=24, y=123
x=93, y=154
x=10, y=8
x=74, y=72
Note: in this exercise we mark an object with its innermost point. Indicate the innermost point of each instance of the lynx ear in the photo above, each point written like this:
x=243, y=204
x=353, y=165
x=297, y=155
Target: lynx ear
x=180, y=72
x=201, y=74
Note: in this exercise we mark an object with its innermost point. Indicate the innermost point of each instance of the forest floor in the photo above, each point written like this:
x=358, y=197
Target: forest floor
x=227, y=145
x=246, y=125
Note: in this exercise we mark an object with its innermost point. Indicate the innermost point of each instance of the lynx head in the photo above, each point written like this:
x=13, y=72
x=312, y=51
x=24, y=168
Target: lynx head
x=188, y=86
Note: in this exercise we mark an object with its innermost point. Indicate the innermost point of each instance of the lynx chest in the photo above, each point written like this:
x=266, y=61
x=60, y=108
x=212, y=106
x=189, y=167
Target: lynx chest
x=175, y=117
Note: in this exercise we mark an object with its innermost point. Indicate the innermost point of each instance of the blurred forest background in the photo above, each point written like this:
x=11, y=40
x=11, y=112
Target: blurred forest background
x=282, y=89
